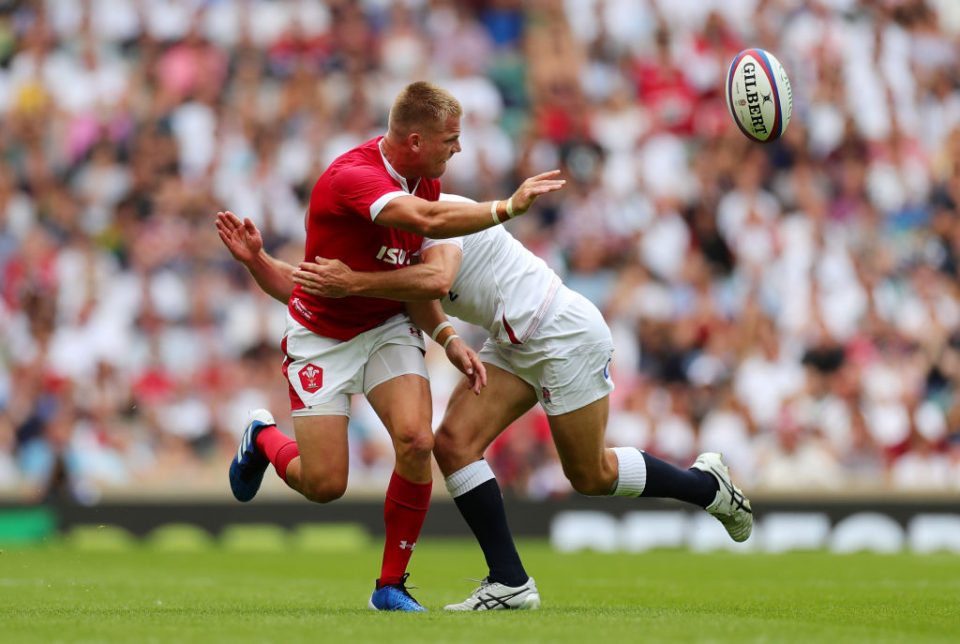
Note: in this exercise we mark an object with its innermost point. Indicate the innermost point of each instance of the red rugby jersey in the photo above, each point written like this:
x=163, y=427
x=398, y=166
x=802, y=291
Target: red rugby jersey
x=345, y=201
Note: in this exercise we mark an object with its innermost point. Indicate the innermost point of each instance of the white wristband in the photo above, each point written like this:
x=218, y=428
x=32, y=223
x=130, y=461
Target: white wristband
x=449, y=339
x=493, y=212
x=440, y=327
x=510, y=208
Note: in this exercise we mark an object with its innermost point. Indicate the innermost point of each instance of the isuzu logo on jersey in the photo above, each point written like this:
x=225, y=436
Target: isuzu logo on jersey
x=396, y=256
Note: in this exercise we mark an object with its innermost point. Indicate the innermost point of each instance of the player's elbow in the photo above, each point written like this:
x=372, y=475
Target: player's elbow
x=432, y=289
x=440, y=286
x=413, y=216
x=424, y=218
x=432, y=227
x=436, y=222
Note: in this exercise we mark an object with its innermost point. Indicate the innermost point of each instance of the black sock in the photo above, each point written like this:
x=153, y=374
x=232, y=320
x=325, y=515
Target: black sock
x=482, y=507
x=668, y=481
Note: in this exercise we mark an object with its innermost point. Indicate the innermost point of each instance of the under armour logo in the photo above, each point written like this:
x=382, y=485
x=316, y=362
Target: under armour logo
x=767, y=98
x=405, y=546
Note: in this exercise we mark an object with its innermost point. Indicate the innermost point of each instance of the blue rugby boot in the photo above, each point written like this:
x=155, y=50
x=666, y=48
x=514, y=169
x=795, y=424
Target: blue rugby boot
x=248, y=466
x=395, y=597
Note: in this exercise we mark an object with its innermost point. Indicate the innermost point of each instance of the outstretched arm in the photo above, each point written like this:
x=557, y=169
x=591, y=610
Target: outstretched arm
x=444, y=219
x=431, y=279
x=245, y=243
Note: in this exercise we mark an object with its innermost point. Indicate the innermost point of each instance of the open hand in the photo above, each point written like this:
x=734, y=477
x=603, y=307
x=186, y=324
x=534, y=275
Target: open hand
x=533, y=187
x=241, y=238
x=468, y=362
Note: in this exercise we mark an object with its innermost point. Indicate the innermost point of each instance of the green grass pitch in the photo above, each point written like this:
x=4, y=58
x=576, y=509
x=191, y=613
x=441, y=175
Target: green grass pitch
x=141, y=594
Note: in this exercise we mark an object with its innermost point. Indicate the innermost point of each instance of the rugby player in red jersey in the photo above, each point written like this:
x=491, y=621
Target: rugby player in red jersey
x=371, y=210
x=547, y=344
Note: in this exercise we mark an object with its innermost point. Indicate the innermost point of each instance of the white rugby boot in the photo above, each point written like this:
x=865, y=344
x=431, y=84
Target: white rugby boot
x=730, y=506
x=495, y=596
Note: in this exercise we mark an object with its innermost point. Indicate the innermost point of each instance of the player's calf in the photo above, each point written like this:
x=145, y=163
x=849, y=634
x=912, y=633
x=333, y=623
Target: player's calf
x=593, y=479
x=320, y=490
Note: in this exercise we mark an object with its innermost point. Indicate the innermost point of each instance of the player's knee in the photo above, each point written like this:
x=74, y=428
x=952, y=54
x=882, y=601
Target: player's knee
x=413, y=443
x=443, y=449
x=452, y=450
x=323, y=490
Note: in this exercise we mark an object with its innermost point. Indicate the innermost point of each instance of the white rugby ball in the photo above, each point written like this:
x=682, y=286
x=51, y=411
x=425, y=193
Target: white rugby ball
x=759, y=96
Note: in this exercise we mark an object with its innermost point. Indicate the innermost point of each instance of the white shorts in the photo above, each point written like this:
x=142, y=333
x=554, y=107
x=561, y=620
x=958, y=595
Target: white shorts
x=322, y=373
x=567, y=360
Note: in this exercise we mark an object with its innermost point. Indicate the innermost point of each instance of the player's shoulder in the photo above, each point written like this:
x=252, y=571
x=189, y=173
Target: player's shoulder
x=363, y=159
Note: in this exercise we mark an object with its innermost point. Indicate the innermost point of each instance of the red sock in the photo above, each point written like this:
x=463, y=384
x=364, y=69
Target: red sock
x=403, y=513
x=279, y=449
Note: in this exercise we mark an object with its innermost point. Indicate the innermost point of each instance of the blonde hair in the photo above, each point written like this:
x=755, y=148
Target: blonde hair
x=422, y=105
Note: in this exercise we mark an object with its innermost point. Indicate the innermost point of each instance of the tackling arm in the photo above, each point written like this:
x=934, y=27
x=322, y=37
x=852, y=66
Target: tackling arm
x=431, y=279
x=419, y=285
x=428, y=316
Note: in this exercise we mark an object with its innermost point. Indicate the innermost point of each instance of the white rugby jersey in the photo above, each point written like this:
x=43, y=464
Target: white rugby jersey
x=501, y=285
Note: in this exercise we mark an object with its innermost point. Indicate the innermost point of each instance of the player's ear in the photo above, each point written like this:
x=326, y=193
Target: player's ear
x=414, y=140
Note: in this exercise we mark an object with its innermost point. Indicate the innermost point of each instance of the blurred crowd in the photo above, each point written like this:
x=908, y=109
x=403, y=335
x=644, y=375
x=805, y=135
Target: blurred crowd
x=794, y=305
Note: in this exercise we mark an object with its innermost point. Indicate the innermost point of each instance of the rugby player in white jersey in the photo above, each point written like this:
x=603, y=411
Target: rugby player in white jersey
x=547, y=344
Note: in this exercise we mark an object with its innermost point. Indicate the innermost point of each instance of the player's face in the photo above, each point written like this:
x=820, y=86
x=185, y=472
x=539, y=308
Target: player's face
x=438, y=146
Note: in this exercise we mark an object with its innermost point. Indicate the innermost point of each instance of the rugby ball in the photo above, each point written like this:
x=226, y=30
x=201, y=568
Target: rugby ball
x=759, y=96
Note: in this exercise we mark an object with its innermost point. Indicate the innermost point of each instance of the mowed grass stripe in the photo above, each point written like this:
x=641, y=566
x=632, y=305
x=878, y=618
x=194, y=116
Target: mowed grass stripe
x=62, y=594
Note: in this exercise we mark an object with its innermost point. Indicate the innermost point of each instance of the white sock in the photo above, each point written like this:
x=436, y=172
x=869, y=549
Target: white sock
x=469, y=477
x=633, y=472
